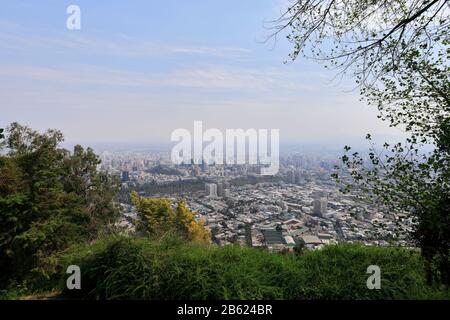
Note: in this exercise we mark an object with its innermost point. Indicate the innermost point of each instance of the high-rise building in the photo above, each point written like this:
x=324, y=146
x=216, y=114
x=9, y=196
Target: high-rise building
x=290, y=177
x=220, y=189
x=203, y=165
x=125, y=176
x=211, y=189
x=297, y=177
x=195, y=171
x=320, y=206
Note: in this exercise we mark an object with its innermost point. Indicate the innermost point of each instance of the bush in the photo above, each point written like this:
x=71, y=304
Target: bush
x=137, y=268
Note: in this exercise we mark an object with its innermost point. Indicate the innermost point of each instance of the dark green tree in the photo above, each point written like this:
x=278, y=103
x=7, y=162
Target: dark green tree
x=49, y=198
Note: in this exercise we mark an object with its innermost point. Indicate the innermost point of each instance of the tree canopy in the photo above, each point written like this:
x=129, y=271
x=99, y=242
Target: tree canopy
x=158, y=216
x=363, y=36
x=49, y=198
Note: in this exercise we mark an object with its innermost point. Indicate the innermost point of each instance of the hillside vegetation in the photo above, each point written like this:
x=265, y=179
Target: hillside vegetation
x=138, y=268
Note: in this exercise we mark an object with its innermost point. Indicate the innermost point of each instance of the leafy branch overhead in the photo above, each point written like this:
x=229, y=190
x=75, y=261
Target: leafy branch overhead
x=362, y=36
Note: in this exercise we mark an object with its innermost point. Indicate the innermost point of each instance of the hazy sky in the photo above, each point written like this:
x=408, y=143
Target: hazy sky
x=137, y=70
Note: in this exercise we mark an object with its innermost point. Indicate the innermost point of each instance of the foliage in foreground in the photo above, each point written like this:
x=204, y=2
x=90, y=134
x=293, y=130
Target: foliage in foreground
x=50, y=198
x=137, y=268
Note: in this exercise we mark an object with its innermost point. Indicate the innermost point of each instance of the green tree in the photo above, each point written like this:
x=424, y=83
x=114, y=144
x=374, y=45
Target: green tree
x=361, y=37
x=405, y=176
x=398, y=51
x=49, y=199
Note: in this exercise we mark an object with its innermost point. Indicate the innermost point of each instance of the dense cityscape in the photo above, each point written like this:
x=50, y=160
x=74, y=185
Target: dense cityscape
x=299, y=206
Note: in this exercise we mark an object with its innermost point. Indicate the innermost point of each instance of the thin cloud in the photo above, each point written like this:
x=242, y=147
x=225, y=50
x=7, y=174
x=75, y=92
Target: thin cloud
x=206, y=77
x=16, y=39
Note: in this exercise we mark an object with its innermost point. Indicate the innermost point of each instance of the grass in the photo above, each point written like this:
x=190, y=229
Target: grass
x=138, y=268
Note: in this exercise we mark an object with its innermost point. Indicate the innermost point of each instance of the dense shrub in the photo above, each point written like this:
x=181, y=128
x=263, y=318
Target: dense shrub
x=136, y=268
